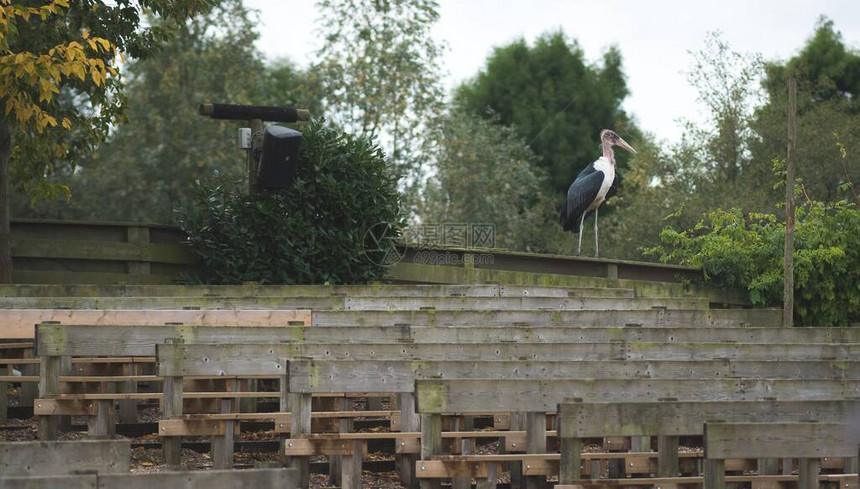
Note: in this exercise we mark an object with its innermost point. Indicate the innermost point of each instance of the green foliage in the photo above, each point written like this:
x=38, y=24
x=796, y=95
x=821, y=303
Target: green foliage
x=746, y=252
x=379, y=71
x=555, y=100
x=334, y=225
x=150, y=163
x=485, y=173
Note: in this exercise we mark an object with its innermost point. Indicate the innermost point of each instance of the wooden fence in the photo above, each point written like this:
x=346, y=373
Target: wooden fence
x=78, y=252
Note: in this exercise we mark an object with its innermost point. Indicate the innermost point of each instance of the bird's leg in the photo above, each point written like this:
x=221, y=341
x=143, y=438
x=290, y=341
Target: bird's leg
x=581, y=222
x=596, y=252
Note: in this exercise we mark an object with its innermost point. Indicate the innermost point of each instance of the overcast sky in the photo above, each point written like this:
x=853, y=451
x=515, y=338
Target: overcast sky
x=654, y=37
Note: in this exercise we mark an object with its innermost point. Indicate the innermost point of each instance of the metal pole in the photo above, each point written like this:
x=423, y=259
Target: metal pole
x=788, y=272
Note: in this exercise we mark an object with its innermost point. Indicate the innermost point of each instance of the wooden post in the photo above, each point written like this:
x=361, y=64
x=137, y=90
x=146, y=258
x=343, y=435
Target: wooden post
x=410, y=422
x=29, y=390
x=4, y=393
x=464, y=423
x=171, y=446
x=49, y=386
x=536, y=443
x=431, y=444
x=254, y=187
x=136, y=269
x=222, y=445
x=807, y=469
x=350, y=466
x=667, y=456
x=102, y=426
x=768, y=466
x=300, y=405
x=284, y=407
x=570, y=465
x=491, y=480
x=667, y=451
x=788, y=270
x=517, y=423
x=714, y=474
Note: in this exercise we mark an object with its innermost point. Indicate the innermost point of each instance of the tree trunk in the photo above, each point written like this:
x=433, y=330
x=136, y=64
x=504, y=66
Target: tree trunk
x=5, y=233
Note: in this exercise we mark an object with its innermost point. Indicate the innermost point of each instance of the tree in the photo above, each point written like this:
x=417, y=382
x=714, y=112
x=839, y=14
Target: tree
x=485, y=174
x=70, y=49
x=379, y=71
x=828, y=114
x=554, y=99
x=150, y=163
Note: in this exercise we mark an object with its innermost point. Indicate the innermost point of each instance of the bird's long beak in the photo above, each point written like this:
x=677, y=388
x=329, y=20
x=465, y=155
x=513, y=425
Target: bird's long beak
x=623, y=144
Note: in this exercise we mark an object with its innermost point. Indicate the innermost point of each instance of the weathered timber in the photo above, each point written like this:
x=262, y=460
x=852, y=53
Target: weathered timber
x=794, y=439
x=43, y=458
x=399, y=376
x=169, y=303
x=89, y=481
x=101, y=250
x=280, y=332
x=516, y=303
x=594, y=419
x=652, y=318
x=355, y=303
x=210, y=479
x=523, y=395
x=233, y=357
x=253, y=290
x=645, y=284
x=20, y=323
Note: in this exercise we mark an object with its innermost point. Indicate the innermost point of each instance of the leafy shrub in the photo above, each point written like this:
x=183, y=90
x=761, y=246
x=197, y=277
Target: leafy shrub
x=747, y=253
x=334, y=224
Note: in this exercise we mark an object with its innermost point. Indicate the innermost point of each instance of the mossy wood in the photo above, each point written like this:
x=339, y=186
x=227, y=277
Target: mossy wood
x=524, y=395
x=594, y=419
x=399, y=376
x=781, y=439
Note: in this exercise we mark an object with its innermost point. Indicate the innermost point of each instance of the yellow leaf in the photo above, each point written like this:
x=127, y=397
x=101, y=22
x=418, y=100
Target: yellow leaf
x=86, y=34
x=67, y=124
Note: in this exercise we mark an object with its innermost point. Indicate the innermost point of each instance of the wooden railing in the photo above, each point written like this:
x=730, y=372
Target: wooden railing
x=80, y=252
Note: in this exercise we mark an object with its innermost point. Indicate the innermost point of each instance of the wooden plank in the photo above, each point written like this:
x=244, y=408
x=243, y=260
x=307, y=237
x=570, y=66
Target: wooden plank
x=798, y=439
x=583, y=318
x=88, y=481
x=518, y=303
x=593, y=419
x=523, y=395
x=248, y=290
x=170, y=303
x=101, y=250
x=398, y=376
x=44, y=458
x=20, y=323
x=211, y=479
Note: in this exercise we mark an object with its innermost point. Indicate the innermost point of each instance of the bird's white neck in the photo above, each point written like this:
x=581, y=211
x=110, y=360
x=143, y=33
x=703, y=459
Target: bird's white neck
x=608, y=153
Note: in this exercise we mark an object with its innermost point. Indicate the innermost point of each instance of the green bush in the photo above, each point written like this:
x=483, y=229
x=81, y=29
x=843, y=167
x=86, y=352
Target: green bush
x=335, y=224
x=746, y=252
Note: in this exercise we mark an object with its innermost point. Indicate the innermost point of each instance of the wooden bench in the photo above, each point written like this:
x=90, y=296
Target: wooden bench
x=210, y=479
x=484, y=290
x=540, y=317
x=669, y=419
x=376, y=303
x=105, y=464
x=804, y=440
x=535, y=398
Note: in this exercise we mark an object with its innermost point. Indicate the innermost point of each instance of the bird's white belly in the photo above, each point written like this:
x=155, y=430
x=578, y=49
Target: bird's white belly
x=608, y=169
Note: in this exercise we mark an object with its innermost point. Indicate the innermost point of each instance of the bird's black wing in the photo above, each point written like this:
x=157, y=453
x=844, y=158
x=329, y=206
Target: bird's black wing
x=580, y=195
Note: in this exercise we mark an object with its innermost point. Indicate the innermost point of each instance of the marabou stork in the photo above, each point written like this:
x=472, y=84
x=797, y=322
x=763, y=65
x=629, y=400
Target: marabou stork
x=588, y=191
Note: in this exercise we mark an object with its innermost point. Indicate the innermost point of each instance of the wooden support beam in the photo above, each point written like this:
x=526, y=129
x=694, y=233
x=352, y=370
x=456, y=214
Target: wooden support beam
x=172, y=407
x=50, y=458
x=536, y=443
x=300, y=405
x=222, y=445
x=431, y=444
x=410, y=421
x=714, y=474
x=49, y=385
